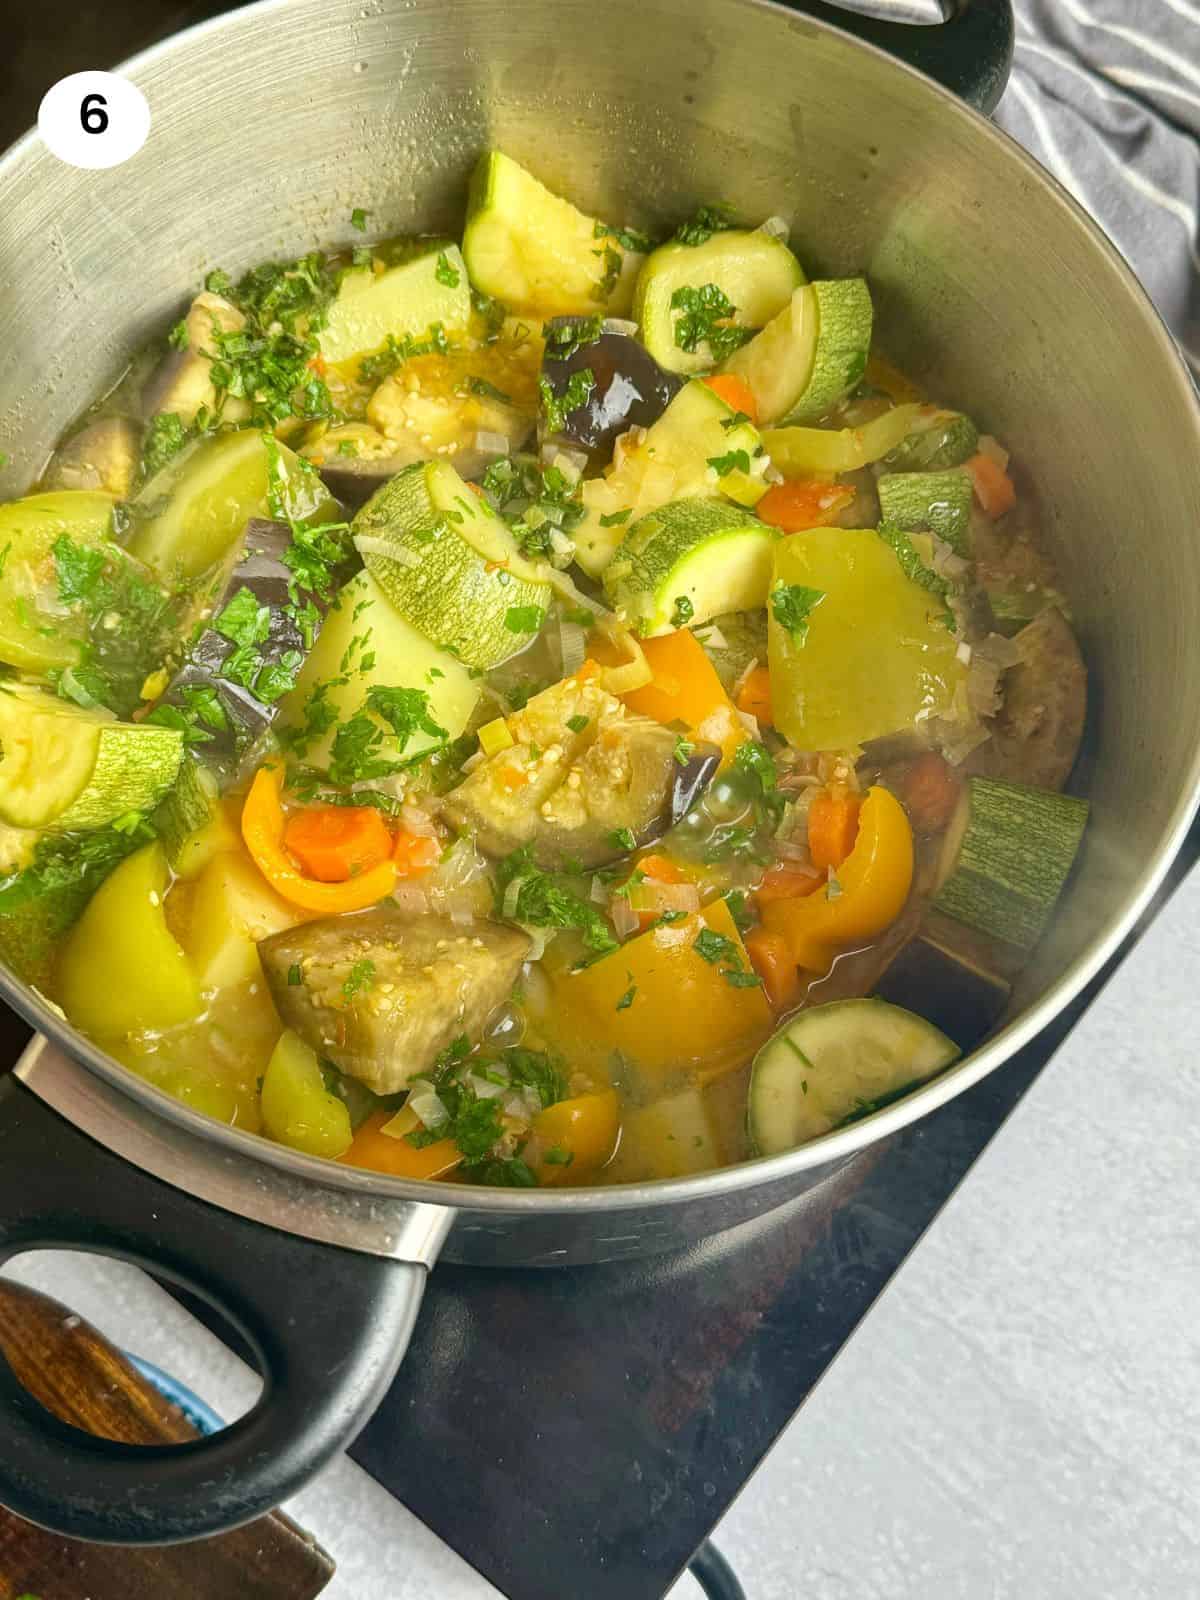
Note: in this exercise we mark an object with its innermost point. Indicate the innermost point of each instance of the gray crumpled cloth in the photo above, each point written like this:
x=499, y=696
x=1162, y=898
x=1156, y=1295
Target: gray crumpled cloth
x=1106, y=94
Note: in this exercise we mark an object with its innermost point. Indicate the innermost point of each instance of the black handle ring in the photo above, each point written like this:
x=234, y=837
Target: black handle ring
x=328, y=1329
x=970, y=53
x=714, y=1574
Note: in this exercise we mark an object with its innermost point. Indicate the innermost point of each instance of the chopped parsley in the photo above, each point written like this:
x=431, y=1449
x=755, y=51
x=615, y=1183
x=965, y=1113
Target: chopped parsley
x=556, y=1156
x=623, y=838
x=557, y=408
x=715, y=948
x=792, y=605
x=569, y=334
x=178, y=336
x=373, y=369
x=703, y=223
x=358, y=219
x=756, y=758
x=524, y=619
x=578, y=722
x=607, y=282
x=833, y=889
x=628, y=238
x=295, y=976
x=243, y=621
x=542, y=902
x=164, y=438
x=683, y=750
x=316, y=554
x=347, y=447
x=446, y=272
x=731, y=461
x=736, y=420
x=535, y=501
x=360, y=750
x=358, y=980
x=613, y=519
x=626, y=1000
x=707, y=316
x=77, y=569
x=488, y=391
x=492, y=312
x=683, y=613
x=735, y=899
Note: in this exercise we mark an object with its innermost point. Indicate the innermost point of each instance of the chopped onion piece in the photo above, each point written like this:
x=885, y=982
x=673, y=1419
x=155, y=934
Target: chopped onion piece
x=994, y=450
x=512, y=894
x=711, y=637
x=418, y=821
x=462, y=914
x=635, y=673
x=619, y=325
x=484, y=1088
x=572, y=642
x=777, y=227
x=570, y=463
x=599, y=891
x=410, y=898
x=963, y=653
x=624, y=917
x=750, y=723
x=659, y=897
x=772, y=474
x=425, y=1103
x=473, y=761
x=740, y=684
x=491, y=444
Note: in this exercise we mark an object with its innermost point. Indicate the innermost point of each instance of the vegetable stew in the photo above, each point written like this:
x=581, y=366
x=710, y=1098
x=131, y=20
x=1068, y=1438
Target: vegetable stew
x=551, y=708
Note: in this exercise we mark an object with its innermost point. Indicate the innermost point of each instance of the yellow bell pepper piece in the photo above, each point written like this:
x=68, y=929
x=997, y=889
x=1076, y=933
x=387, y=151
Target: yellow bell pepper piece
x=872, y=885
x=584, y=1128
x=666, y=1008
x=121, y=970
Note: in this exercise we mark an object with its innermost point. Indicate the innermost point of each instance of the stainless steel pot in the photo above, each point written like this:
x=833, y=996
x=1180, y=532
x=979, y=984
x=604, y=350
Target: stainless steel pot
x=269, y=125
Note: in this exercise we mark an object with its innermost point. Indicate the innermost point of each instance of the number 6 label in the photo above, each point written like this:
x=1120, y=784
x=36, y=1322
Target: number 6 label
x=94, y=119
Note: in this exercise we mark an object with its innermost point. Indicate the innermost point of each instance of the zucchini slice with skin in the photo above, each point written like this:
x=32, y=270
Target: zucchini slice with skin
x=811, y=354
x=431, y=286
x=835, y=1063
x=933, y=502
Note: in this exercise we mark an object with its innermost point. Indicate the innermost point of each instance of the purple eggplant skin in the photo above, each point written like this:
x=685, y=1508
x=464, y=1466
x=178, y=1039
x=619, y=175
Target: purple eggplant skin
x=630, y=390
x=688, y=785
x=264, y=572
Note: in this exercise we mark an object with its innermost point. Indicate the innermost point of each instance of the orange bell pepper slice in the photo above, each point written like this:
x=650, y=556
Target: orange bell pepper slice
x=584, y=1128
x=686, y=689
x=263, y=830
x=735, y=392
x=392, y=1153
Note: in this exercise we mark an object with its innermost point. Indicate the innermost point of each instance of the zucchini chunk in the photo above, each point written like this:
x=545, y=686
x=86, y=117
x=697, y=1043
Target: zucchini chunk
x=936, y=440
x=801, y=452
x=450, y=565
x=67, y=769
x=405, y=300
x=190, y=516
x=1006, y=857
x=579, y=778
x=103, y=456
x=858, y=649
x=689, y=561
x=380, y=995
x=35, y=635
x=182, y=382
x=930, y=502
x=811, y=354
x=699, y=447
x=536, y=253
x=626, y=387
x=694, y=303
x=1037, y=732
x=836, y=1063
x=297, y=1109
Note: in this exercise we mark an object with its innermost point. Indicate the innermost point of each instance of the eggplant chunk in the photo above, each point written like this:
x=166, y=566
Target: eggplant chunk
x=433, y=420
x=582, y=778
x=1037, y=732
x=380, y=994
x=182, y=381
x=629, y=388
x=104, y=456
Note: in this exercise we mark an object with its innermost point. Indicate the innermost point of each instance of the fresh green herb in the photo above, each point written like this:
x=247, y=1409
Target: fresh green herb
x=542, y=902
x=243, y=621
x=737, y=979
x=731, y=461
x=358, y=219
x=556, y=1156
x=756, y=758
x=563, y=338
x=683, y=750
x=833, y=889
x=524, y=619
x=607, y=282
x=359, y=753
x=792, y=605
x=557, y=408
x=178, y=336
x=520, y=693
x=683, y=613
x=624, y=890
x=736, y=900
x=492, y=312
x=613, y=519
x=373, y=369
x=279, y=677
x=488, y=391
x=624, y=838
x=360, y=978
x=316, y=554
x=77, y=570
x=626, y=1000
x=705, y=221
x=632, y=239
x=707, y=316
x=295, y=976
x=580, y=615
x=535, y=501
x=712, y=947
x=164, y=438
x=347, y=447
x=578, y=722
x=736, y=420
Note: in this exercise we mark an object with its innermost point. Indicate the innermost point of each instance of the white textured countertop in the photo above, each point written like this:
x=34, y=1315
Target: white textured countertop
x=1018, y=1418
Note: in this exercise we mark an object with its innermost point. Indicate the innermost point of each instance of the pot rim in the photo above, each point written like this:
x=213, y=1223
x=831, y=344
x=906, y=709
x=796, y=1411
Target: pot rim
x=832, y=1147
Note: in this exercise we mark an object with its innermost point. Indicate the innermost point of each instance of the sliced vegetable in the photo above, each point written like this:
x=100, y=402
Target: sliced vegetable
x=811, y=354
x=690, y=559
x=803, y=503
x=535, y=252
x=189, y=518
x=1038, y=730
x=381, y=1145
x=573, y=1139
x=835, y=1063
x=789, y=880
x=381, y=995
x=70, y=769
x=800, y=452
x=772, y=960
x=401, y=301
x=625, y=387
x=374, y=694
x=450, y=565
x=297, y=1109
x=231, y=907
x=1006, y=857
x=754, y=697
x=334, y=843
x=697, y=1005
x=121, y=969
x=735, y=392
x=675, y=1136
x=263, y=832
x=993, y=487
x=686, y=689
x=694, y=303
x=193, y=822
x=833, y=815
x=414, y=853
x=932, y=502
x=866, y=896
x=38, y=631
x=104, y=456
x=858, y=649
x=936, y=439
x=672, y=461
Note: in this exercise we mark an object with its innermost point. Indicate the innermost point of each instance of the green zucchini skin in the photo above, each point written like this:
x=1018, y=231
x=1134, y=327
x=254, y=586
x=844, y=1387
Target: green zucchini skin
x=1008, y=856
x=930, y=502
x=941, y=439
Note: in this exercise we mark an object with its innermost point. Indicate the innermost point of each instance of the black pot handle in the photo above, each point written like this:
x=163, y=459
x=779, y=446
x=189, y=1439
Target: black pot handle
x=969, y=53
x=328, y=1327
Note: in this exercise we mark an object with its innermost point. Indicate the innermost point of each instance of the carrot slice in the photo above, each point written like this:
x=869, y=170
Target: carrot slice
x=930, y=790
x=754, y=697
x=415, y=853
x=787, y=881
x=803, y=503
x=263, y=830
x=993, y=487
x=772, y=960
x=735, y=392
x=336, y=843
x=832, y=826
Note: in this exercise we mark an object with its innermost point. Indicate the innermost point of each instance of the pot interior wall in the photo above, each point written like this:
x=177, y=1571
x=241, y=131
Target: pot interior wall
x=272, y=125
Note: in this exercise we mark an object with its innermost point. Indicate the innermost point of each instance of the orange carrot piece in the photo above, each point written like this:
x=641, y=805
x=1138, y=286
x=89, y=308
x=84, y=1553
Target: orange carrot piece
x=662, y=869
x=832, y=826
x=772, y=960
x=930, y=790
x=754, y=697
x=993, y=487
x=263, y=830
x=735, y=392
x=335, y=843
x=786, y=880
x=803, y=503
x=415, y=853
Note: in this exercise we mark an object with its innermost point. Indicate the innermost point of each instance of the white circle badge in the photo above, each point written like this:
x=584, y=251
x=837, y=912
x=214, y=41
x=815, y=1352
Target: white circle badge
x=94, y=119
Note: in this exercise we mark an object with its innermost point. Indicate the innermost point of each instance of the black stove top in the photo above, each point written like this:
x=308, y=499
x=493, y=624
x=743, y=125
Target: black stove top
x=582, y=1431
